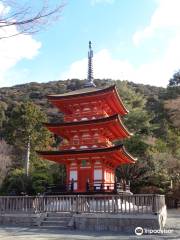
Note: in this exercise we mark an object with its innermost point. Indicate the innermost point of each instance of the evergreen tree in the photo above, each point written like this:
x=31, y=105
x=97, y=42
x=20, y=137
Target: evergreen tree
x=25, y=131
x=175, y=80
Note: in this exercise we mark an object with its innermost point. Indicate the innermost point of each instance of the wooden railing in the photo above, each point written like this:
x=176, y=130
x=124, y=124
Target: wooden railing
x=92, y=187
x=127, y=204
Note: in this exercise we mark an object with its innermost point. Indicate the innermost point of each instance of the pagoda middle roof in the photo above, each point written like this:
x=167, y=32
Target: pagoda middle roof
x=116, y=154
x=111, y=123
x=87, y=94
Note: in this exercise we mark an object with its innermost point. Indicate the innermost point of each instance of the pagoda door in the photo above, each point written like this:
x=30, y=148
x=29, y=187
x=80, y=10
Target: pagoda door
x=85, y=175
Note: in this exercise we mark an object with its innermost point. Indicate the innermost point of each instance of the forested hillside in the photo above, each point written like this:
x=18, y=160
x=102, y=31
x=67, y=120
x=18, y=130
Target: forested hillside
x=154, y=119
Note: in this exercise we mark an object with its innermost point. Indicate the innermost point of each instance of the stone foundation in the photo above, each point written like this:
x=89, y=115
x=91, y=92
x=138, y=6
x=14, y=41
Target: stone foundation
x=125, y=223
x=25, y=220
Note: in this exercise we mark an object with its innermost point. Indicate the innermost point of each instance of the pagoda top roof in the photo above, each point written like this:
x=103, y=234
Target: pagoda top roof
x=79, y=92
x=87, y=94
x=82, y=92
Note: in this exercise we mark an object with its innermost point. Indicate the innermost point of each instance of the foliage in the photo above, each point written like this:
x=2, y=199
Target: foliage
x=24, y=130
x=16, y=183
x=26, y=121
x=6, y=159
x=175, y=80
x=3, y=107
x=40, y=180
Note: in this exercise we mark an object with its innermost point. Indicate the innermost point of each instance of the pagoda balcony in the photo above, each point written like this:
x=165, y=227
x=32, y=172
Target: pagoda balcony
x=87, y=144
x=95, y=187
x=88, y=115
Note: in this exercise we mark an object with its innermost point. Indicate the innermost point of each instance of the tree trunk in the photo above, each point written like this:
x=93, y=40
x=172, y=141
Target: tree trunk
x=27, y=158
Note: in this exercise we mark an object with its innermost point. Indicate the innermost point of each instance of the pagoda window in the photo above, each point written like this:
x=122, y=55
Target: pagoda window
x=95, y=109
x=75, y=140
x=97, y=174
x=86, y=138
x=73, y=175
x=86, y=109
x=96, y=138
x=77, y=112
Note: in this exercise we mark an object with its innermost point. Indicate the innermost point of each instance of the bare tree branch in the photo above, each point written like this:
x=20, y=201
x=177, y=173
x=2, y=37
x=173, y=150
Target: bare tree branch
x=27, y=18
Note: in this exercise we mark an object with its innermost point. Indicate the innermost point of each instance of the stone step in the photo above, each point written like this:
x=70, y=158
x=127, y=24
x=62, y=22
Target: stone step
x=57, y=218
x=54, y=223
x=54, y=227
x=59, y=214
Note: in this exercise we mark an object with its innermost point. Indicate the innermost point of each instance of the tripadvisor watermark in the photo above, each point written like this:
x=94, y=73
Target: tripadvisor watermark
x=140, y=231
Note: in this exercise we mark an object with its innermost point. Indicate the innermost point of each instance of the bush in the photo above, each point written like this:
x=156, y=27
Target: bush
x=151, y=190
x=40, y=181
x=17, y=183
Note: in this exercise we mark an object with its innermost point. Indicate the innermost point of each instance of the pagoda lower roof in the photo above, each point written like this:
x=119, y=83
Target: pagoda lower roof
x=116, y=154
x=89, y=94
x=112, y=126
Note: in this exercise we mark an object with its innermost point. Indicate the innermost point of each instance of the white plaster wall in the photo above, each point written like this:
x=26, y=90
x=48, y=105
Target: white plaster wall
x=97, y=174
x=73, y=174
x=75, y=186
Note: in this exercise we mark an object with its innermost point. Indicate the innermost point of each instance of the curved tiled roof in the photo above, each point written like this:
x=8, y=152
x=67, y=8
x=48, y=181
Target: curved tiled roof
x=87, y=151
x=89, y=122
x=81, y=92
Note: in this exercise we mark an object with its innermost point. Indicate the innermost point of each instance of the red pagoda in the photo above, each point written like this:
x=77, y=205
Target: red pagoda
x=92, y=121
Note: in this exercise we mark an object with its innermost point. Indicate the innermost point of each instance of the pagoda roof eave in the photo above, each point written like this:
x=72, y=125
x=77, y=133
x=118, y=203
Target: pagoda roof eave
x=62, y=156
x=92, y=122
x=128, y=154
x=84, y=122
x=79, y=151
x=120, y=100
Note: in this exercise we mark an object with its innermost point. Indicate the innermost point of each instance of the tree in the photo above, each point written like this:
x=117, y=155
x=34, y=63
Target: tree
x=3, y=107
x=175, y=80
x=6, y=152
x=27, y=17
x=138, y=122
x=25, y=131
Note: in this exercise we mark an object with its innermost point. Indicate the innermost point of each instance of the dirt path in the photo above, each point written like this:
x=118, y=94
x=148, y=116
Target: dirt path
x=173, y=222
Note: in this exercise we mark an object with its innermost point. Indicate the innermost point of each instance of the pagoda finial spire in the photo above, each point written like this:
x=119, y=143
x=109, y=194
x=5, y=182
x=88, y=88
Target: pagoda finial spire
x=89, y=82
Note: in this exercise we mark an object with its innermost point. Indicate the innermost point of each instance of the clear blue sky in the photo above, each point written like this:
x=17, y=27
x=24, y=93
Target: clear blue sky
x=132, y=39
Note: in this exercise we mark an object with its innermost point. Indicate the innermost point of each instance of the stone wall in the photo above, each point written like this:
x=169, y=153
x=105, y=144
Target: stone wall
x=118, y=222
x=20, y=219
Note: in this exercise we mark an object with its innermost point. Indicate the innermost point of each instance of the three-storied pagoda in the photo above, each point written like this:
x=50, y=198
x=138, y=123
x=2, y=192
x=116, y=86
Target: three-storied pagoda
x=92, y=121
